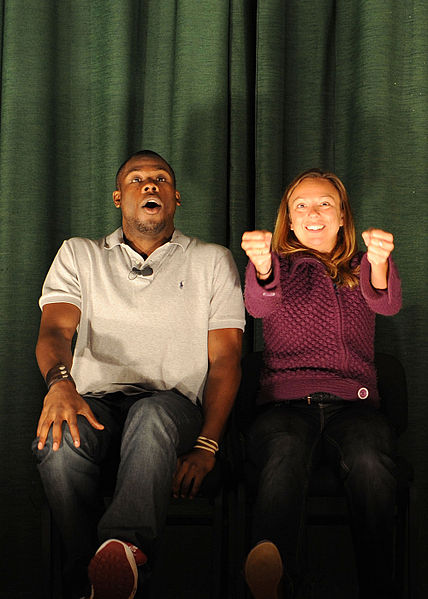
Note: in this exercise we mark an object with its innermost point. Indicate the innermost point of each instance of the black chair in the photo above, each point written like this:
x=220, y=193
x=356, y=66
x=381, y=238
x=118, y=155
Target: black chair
x=326, y=503
x=207, y=512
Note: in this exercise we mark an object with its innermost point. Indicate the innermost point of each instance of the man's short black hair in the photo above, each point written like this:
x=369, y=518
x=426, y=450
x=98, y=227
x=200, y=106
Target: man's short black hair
x=143, y=153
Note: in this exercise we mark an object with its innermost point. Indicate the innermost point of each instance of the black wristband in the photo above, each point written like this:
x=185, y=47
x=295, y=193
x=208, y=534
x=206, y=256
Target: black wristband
x=57, y=373
x=264, y=274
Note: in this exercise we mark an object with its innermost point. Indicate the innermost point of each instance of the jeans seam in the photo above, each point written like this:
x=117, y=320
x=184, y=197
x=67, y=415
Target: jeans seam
x=337, y=446
x=303, y=512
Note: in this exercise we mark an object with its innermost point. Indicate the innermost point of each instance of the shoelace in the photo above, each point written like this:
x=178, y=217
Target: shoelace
x=139, y=556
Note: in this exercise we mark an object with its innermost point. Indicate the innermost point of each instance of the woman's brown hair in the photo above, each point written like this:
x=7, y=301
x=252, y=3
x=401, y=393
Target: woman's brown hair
x=338, y=262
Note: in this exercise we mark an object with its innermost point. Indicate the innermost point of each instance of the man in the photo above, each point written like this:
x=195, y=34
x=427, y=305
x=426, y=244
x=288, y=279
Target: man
x=155, y=370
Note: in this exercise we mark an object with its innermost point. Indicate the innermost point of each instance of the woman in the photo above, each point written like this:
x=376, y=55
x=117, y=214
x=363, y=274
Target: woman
x=318, y=297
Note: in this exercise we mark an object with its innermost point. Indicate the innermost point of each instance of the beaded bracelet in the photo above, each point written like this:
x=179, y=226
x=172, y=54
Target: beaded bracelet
x=207, y=444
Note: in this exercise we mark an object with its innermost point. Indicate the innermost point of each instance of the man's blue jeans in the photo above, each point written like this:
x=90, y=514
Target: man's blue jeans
x=149, y=431
x=284, y=443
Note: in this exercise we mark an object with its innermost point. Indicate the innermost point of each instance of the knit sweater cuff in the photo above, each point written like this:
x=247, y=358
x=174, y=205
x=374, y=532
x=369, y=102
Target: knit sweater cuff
x=272, y=283
x=382, y=301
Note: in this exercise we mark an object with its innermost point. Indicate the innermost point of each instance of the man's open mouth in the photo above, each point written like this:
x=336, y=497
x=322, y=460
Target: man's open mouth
x=151, y=204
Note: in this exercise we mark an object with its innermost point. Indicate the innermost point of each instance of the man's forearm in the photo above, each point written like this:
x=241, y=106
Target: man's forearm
x=224, y=374
x=57, y=327
x=52, y=349
x=220, y=391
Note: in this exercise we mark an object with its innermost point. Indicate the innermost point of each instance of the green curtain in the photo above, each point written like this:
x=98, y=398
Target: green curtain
x=239, y=95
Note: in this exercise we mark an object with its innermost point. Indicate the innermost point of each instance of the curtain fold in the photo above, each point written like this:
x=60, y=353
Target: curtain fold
x=239, y=95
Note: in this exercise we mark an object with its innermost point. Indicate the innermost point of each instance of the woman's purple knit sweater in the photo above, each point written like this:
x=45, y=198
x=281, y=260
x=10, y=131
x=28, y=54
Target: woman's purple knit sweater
x=318, y=337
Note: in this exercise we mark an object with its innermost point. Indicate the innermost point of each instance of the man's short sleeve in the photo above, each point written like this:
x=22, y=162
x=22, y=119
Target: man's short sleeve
x=62, y=281
x=227, y=306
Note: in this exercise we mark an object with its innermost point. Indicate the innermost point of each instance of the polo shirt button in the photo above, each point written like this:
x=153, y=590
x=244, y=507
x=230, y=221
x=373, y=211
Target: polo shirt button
x=363, y=393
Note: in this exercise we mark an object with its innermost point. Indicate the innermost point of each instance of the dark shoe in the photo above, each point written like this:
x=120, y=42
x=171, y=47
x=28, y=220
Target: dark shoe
x=113, y=570
x=263, y=571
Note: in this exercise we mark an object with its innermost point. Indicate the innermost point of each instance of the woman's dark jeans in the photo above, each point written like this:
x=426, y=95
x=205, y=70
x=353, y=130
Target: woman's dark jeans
x=285, y=441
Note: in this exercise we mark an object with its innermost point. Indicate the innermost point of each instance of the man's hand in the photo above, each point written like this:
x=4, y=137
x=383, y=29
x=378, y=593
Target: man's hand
x=63, y=403
x=224, y=373
x=191, y=471
x=256, y=244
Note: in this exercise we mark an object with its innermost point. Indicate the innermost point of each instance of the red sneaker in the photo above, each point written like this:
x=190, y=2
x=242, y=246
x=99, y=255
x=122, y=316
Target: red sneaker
x=113, y=570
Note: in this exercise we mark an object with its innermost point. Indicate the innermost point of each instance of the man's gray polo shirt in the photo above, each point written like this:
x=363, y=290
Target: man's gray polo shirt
x=145, y=330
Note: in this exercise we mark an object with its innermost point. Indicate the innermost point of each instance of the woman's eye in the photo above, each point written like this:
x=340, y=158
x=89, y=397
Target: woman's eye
x=161, y=179
x=136, y=180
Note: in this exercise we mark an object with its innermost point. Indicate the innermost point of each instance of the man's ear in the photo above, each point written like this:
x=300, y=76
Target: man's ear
x=116, y=198
x=177, y=198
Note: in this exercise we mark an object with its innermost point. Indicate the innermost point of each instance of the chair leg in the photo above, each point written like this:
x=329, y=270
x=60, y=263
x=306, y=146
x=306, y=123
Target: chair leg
x=412, y=545
x=51, y=552
x=219, y=538
x=400, y=541
x=238, y=542
x=46, y=548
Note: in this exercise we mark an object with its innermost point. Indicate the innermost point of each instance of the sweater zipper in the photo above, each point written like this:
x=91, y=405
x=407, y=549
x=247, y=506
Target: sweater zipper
x=341, y=328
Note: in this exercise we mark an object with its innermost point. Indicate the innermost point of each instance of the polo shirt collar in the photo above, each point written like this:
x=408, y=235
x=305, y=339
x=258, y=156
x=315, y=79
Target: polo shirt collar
x=116, y=238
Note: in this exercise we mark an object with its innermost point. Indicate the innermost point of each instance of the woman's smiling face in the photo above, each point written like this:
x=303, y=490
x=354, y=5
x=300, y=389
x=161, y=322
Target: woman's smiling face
x=315, y=214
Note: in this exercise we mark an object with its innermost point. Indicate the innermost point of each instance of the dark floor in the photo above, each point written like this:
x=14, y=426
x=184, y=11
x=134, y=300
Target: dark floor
x=184, y=569
x=186, y=564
